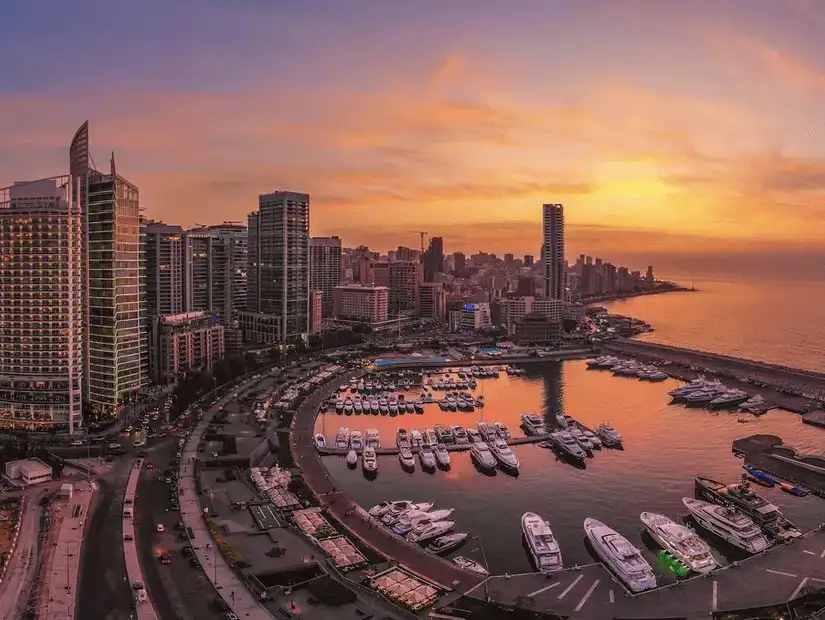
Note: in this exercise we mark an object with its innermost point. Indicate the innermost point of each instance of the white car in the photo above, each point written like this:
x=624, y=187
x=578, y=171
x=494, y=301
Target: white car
x=160, y=527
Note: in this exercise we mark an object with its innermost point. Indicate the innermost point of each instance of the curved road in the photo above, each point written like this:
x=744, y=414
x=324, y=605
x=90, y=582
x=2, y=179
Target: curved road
x=16, y=586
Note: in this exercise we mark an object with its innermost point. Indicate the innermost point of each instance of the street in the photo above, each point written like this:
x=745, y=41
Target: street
x=16, y=586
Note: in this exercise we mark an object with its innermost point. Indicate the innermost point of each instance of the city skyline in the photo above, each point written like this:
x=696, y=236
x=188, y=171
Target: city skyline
x=712, y=141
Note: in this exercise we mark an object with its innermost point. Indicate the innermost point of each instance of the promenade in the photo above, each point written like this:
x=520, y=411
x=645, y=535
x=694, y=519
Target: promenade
x=231, y=589
x=22, y=564
x=394, y=548
x=145, y=610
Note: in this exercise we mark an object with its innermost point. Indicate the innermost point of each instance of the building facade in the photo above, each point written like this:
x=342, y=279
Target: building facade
x=325, y=268
x=187, y=342
x=538, y=329
x=432, y=302
x=405, y=276
x=472, y=317
x=316, y=311
x=164, y=259
x=363, y=303
x=41, y=308
x=434, y=259
x=278, y=261
x=555, y=266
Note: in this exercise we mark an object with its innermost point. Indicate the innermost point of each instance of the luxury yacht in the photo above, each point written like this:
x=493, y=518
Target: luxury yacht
x=481, y=454
x=399, y=508
x=368, y=460
x=342, y=438
x=765, y=514
x=415, y=438
x=735, y=527
x=592, y=438
x=373, y=439
x=446, y=544
x=443, y=434
x=357, y=407
x=401, y=435
x=505, y=456
x=339, y=406
x=427, y=456
x=730, y=398
x=433, y=530
x=581, y=439
x=609, y=436
x=487, y=432
x=460, y=434
x=544, y=548
x=473, y=435
x=418, y=521
x=356, y=441
x=620, y=556
x=320, y=441
x=442, y=456
x=680, y=541
x=564, y=442
x=352, y=458
x=502, y=430
x=380, y=509
x=533, y=424
x=470, y=565
x=429, y=437
x=405, y=456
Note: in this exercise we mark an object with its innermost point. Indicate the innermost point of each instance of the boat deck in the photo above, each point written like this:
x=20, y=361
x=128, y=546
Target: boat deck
x=393, y=450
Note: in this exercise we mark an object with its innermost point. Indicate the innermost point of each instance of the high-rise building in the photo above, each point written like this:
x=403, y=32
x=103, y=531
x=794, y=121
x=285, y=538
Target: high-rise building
x=278, y=263
x=41, y=310
x=460, y=264
x=316, y=312
x=185, y=342
x=508, y=259
x=434, y=259
x=432, y=301
x=362, y=303
x=325, y=268
x=116, y=343
x=163, y=251
x=554, y=263
x=405, y=276
x=528, y=260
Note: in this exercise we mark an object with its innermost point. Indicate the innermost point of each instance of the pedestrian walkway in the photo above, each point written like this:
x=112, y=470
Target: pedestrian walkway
x=145, y=608
x=234, y=593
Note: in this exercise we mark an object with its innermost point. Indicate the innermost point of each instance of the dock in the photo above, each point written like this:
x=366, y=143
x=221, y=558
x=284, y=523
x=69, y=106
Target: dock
x=815, y=418
x=768, y=453
x=462, y=447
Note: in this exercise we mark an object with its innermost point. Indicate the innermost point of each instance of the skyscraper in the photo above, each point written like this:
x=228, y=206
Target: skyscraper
x=116, y=356
x=325, y=269
x=41, y=310
x=434, y=259
x=164, y=257
x=553, y=255
x=405, y=276
x=278, y=262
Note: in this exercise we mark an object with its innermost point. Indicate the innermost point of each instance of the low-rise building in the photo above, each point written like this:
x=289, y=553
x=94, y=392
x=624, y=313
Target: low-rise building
x=192, y=341
x=28, y=471
x=538, y=329
x=471, y=317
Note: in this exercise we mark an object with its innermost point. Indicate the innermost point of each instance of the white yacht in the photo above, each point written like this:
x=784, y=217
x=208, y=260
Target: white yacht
x=504, y=454
x=533, y=424
x=427, y=456
x=442, y=456
x=620, y=556
x=460, y=434
x=544, y=548
x=581, y=439
x=406, y=457
x=480, y=453
x=502, y=430
x=487, y=432
x=352, y=458
x=473, y=436
x=680, y=541
x=433, y=530
x=397, y=509
x=729, y=524
x=339, y=405
x=373, y=439
x=401, y=435
x=419, y=520
x=470, y=565
x=342, y=438
x=357, y=407
x=564, y=442
x=320, y=441
x=609, y=436
x=592, y=438
x=356, y=441
x=430, y=438
x=368, y=460
x=415, y=438
x=379, y=510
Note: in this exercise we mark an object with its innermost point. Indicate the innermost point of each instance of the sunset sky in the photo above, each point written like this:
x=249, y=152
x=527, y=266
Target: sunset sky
x=665, y=126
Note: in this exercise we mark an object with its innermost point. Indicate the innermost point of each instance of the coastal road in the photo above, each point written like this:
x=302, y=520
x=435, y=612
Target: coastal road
x=16, y=586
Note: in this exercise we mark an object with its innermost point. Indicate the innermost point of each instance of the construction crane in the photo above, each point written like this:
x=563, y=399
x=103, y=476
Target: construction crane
x=422, y=233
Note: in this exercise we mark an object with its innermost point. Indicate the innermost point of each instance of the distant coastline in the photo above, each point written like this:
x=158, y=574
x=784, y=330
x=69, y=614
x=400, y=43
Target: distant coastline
x=666, y=287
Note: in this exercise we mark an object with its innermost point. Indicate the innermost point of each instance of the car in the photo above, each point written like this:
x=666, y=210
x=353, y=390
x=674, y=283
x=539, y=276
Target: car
x=188, y=552
x=160, y=527
x=77, y=442
x=165, y=559
x=149, y=466
x=193, y=562
x=128, y=537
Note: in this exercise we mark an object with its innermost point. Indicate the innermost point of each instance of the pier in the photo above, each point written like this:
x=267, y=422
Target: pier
x=768, y=453
x=461, y=447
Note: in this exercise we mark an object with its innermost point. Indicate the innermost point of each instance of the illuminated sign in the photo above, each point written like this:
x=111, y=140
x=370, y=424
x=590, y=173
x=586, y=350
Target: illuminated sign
x=469, y=307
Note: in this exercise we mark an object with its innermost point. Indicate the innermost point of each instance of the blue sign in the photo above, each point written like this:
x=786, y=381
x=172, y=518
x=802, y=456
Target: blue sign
x=470, y=307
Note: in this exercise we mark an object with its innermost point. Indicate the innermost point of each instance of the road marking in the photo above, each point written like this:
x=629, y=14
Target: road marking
x=808, y=552
x=544, y=589
x=715, y=595
x=586, y=596
x=799, y=588
x=779, y=572
x=822, y=555
x=571, y=586
x=612, y=597
x=819, y=580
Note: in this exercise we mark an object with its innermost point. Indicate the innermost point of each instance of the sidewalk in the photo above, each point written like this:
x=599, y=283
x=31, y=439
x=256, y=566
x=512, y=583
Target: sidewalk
x=234, y=593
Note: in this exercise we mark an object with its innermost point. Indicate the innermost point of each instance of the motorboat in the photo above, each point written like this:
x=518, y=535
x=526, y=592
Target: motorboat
x=460, y=434
x=401, y=435
x=427, y=456
x=446, y=544
x=533, y=424
x=483, y=457
x=357, y=407
x=405, y=456
x=418, y=407
x=339, y=406
x=680, y=541
x=442, y=457
x=741, y=496
x=564, y=443
x=729, y=524
x=793, y=489
x=415, y=438
x=473, y=435
x=342, y=438
x=502, y=430
x=470, y=565
x=543, y=546
x=368, y=460
x=730, y=398
x=418, y=520
x=398, y=509
x=505, y=456
x=581, y=439
x=433, y=530
x=356, y=441
x=487, y=432
x=430, y=437
x=443, y=434
x=410, y=406
x=620, y=556
x=380, y=509
x=373, y=439
x=352, y=458
x=320, y=441
x=609, y=436
x=592, y=438
x=348, y=409
x=760, y=476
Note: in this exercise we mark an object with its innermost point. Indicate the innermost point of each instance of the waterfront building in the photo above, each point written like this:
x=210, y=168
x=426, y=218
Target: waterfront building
x=325, y=268
x=405, y=276
x=41, y=308
x=434, y=259
x=278, y=262
x=554, y=262
x=187, y=342
x=116, y=343
x=316, y=311
x=538, y=329
x=432, y=302
x=164, y=258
